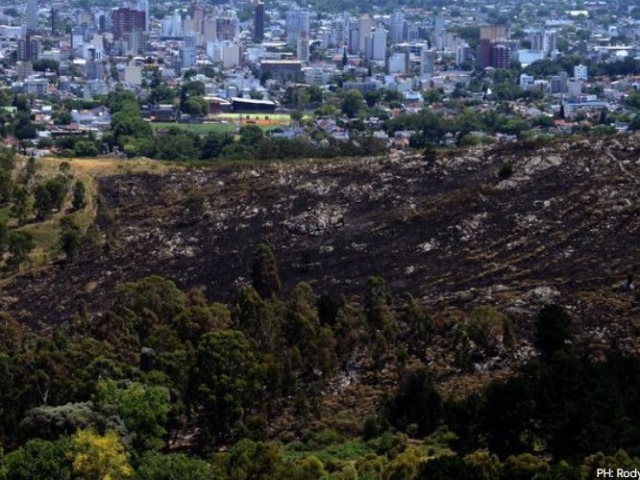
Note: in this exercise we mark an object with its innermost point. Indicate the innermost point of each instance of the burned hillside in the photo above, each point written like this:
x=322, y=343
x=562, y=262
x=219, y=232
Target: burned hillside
x=514, y=226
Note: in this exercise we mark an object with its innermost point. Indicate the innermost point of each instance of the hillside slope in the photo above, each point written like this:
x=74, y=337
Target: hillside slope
x=563, y=227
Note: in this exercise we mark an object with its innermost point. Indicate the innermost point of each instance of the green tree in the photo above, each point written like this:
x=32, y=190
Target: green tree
x=553, y=330
x=38, y=459
x=264, y=272
x=174, y=466
x=85, y=148
x=43, y=203
x=78, y=200
x=352, y=103
x=69, y=236
x=161, y=93
x=143, y=408
x=251, y=135
x=20, y=243
x=196, y=106
x=223, y=378
x=4, y=236
x=22, y=204
x=6, y=187
x=417, y=402
x=7, y=159
x=178, y=145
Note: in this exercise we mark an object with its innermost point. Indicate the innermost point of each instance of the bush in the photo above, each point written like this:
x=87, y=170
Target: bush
x=505, y=171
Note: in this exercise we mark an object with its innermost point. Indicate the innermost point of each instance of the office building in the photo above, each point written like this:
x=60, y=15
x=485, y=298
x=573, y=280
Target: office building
x=258, y=23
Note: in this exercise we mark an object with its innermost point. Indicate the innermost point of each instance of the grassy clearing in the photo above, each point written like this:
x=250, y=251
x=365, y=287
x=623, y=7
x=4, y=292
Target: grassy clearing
x=349, y=450
x=46, y=234
x=97, y=167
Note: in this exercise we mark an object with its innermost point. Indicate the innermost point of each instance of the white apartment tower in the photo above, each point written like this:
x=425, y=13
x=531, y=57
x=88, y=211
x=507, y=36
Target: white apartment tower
x=377, y=45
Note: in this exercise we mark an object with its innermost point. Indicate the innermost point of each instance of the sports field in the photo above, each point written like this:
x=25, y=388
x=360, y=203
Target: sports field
x=229, y=122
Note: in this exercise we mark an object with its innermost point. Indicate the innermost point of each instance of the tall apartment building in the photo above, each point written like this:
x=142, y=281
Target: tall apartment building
x=365, y=25
x=189, y=52
x=127, y=20
x=493, y=54
x=297, y=22
x=376, y=45
x=28, y=48
x=397, y=27
x=427, y=61
x=302, y=48
x=143, y=6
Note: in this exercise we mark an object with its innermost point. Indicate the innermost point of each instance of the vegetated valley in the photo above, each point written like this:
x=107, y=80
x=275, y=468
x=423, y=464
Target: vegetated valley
x=463, y=314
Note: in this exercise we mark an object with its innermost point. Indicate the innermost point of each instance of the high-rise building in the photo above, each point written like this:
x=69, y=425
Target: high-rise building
x=303, y=48
x=549, y=42
x=376, y=45
x=196, y=12
x=94, y=67
x=189, y=51
x=209, y=30
x=297, y=22
x=77, y=37
x=427, y=62
x=483, y=53
x=500, y=55
x=537, y=41
x=28, y=48
x=493, y=32
x=54, y=21
x=353, y=37
x=227, y=25
x=126, y=20
x=365, y=25
x=258, y=23
x=494, y=54
x=397, y=27
x=143, y=6
x=31, y=15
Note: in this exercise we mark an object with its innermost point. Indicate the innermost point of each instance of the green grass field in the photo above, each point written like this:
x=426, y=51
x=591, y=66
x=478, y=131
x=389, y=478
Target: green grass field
x=229, y=122
x=199, y=128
